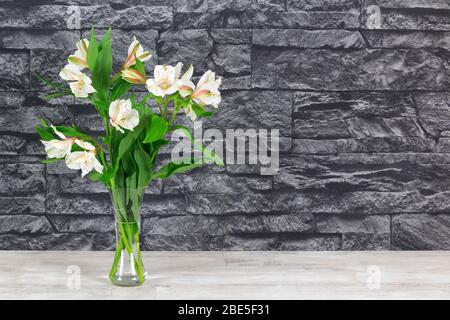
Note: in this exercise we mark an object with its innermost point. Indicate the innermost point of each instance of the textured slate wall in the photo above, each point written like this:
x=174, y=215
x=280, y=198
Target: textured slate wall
x=364, y=114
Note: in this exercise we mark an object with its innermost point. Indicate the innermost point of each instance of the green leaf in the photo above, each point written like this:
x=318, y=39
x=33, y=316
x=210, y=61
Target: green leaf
x=173, y=168
x=57, y=95
x=126, y=142
x=51, y=160
x=103, y=68
x=139, y=66
x=74, y=131
x=200, y=112
x=46, y=133
x=128, y=164
x=207, y=154
x=101, y=106
x=51, y=83
x=92, y=50
x=157, y=130
x=107, y=175
x=95, y=176
x=144, y=165
x=120, y=88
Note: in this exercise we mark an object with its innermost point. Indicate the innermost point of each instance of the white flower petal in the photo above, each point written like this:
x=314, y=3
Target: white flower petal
x=153, y=88
x=70, y=73
x=178, y=68
x=188, y=74
x=57, y=148
x=85, y=145
x=59, y=134
x=75, y=159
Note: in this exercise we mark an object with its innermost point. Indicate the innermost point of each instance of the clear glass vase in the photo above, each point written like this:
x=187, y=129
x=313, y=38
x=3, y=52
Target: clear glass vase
x=127, y=269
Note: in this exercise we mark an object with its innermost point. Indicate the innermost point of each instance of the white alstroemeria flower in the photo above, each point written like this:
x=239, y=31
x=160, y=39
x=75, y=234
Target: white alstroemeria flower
x=58, y=148
x=79, y=58
x=122, y=115
x=165, y=81
x=207, y=90
x=80, y=84
x=133, y=76
x=135, y=51
x=85, y=160
x=190, y=112
x=186, y=86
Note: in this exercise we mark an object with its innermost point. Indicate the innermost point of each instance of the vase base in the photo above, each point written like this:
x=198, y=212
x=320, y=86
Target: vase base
x=127, y=280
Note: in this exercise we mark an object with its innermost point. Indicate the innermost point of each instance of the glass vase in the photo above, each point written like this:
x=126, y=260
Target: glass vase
x=127, y=269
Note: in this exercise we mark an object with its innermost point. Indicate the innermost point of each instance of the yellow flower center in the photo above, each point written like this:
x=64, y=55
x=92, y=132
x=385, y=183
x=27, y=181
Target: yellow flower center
x=165, y=84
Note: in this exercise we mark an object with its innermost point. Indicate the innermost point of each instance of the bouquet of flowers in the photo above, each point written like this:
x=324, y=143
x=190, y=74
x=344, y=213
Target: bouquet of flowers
x=124, y=157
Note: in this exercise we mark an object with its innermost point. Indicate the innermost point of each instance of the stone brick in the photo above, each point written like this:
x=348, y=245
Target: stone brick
x=11, y=100
x=24, y=224
x=411, y=4
x=13, y=39
x=22, y=205
x=79, y=204
x=91, y=122
x=14, y=74
x=82, y=224
x=324, y=5
x=358, y=233
x=137, y=17
x=317, y=39
x=26, y=120
x=407, y=39
x=413, y=15
x=163, y=205
x=421, y=232
x=11, y=144
x=268, y=19
x=275, y=68
x=241, y=242
x=222, y=225
x=215, y=183
x=257, y=14
x=388, y=121
x=47, y=63
x=190, y=6
x=353, y=224
x=231, y=59
x=22, y=178
x=253, y=110
x=74, y=184
x=57, y=241
x=17, y=145
x=239, y=82
x=291, y=242
x=434, y=111
x=310, y=243
x=364, y=145
x=218, y=204
x=36, y=17
x=366, y=242
x=231, y=36
x=186, y=46
x=117, y=3
x=179, y=242
x=327, y=174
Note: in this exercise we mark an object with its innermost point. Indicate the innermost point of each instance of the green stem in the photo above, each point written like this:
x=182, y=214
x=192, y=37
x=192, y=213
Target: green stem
x=138, y=263
x=165, y=103
x=117, y=255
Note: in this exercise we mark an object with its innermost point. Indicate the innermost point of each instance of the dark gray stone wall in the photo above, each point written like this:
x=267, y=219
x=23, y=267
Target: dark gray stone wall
x=364, y=115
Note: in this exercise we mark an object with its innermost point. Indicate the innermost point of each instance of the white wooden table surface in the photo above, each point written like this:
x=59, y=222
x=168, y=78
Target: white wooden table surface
x=230, y=275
